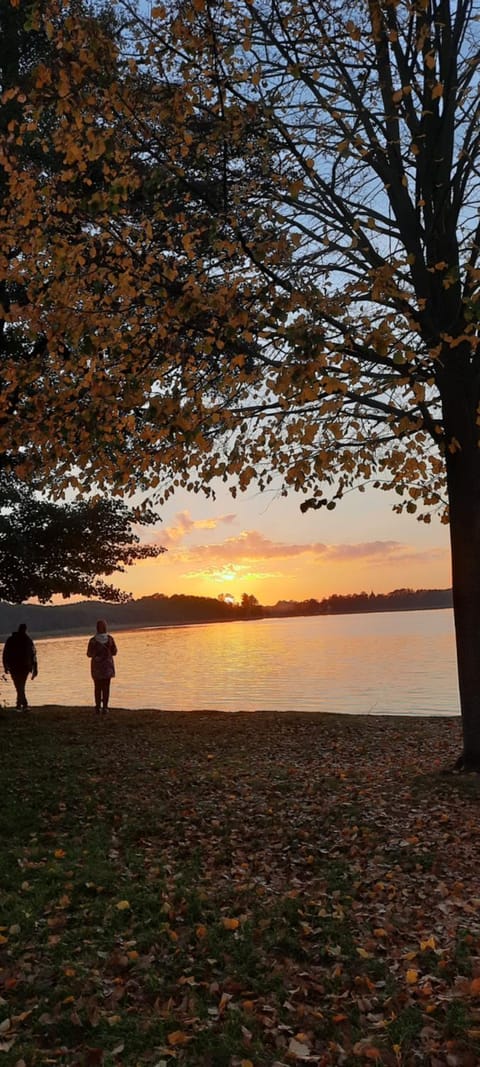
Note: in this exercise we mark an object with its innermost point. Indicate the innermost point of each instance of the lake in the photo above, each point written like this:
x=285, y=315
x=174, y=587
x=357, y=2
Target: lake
x=400, y=663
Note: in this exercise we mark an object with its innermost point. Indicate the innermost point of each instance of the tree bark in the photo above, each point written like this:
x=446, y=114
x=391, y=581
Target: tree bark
x=463, y=481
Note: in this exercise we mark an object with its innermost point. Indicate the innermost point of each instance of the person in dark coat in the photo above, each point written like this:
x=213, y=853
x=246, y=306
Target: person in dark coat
x=101, y=650
x=20, y=660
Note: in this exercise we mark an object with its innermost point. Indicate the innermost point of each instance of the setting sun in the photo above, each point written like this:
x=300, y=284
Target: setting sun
x=268, y=549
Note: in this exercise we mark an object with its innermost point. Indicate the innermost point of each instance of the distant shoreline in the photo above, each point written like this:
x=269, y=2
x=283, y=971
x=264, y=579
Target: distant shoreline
x=84, y=631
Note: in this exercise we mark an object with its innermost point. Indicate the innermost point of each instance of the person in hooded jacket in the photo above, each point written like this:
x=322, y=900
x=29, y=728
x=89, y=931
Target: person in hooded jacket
x=20, y=660
x=101, y=650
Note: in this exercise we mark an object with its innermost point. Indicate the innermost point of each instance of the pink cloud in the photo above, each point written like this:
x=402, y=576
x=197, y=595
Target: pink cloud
x=251, y=546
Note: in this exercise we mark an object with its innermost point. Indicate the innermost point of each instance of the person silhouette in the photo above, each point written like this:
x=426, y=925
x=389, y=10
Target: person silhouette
x=20, y=660
x=101, y=650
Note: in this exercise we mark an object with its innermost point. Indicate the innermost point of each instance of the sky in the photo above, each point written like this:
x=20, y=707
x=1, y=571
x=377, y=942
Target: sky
x=261, y=544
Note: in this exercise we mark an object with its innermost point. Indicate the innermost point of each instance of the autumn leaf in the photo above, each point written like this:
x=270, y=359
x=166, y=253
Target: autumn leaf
x=178, y=1037
x=298, y=1048
x=230, y=924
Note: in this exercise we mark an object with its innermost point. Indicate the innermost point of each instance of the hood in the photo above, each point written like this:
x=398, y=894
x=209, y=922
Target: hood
x=101, y=638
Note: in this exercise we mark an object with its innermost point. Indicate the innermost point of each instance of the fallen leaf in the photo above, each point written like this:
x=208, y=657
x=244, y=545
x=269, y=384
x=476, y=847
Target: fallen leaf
x=230, y=924
x=298, y=1049
x=178, y=1037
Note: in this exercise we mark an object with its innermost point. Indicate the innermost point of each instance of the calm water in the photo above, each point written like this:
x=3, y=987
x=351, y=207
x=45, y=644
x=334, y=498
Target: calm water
x=390, y=663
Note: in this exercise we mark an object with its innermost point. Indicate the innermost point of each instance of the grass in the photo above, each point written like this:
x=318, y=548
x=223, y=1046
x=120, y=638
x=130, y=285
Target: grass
x=206, y=889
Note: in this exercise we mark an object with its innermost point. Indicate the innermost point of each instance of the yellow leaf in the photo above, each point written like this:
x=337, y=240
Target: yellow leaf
x=412, y=976
x=429, y=943
x=123, y=905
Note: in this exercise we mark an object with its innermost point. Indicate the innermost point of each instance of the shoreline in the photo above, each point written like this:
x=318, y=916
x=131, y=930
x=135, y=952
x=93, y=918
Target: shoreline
x=218, y=713
x=131, y=627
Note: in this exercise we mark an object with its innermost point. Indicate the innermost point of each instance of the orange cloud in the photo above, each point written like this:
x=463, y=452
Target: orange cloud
x=185, y=525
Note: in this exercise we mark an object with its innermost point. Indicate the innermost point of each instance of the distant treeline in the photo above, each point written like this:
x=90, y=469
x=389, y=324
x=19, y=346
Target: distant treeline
x=397, y=600
x=160, y=610
x=156, y=610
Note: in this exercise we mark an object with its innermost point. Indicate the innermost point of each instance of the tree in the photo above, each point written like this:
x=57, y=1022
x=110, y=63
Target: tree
x=49, y=549
x=250, y=606
x=374, y=114
x=46, y=548
x=309, y=315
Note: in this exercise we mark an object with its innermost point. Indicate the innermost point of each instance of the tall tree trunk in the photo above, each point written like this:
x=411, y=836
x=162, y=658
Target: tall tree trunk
x=463, y=481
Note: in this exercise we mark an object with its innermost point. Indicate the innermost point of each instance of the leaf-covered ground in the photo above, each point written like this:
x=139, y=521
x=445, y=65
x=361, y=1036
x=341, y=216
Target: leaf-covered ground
x=237, y=889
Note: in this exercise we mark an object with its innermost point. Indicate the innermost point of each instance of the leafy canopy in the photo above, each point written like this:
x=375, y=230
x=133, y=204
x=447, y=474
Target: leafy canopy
x=255, y=252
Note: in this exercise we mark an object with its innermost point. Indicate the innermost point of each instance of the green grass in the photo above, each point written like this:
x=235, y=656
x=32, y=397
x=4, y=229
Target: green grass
x=205, y=889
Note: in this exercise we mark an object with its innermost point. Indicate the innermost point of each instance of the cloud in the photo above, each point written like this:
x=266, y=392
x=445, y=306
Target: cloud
x=248, y=545
x=370, y=550
x=231, y=573
x=185, y=525
x=251, y=546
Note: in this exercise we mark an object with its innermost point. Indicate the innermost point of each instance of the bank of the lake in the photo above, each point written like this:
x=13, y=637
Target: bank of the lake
x=234, y=889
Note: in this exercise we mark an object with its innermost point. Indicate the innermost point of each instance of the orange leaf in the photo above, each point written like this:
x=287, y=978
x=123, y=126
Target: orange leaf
x=412, y=976
x=177, y=1037
x=231, y=924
